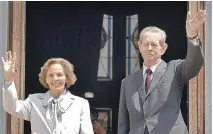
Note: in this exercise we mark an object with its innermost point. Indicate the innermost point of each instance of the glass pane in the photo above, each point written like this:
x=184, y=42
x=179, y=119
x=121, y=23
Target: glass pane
x=105, y=60
x=132, y=52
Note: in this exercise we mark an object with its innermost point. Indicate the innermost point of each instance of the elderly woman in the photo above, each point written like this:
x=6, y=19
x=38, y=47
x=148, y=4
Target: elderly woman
x=55, y=112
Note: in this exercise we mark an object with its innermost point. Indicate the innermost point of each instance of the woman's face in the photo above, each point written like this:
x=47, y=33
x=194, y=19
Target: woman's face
x=56, y=78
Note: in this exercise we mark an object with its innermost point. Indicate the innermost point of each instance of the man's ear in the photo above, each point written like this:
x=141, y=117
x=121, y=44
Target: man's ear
x=139, y=45
x=164, y=48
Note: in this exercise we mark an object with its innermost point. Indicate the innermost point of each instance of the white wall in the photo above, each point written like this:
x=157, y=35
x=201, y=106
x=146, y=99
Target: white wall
x=208, y=76
x=3, y=48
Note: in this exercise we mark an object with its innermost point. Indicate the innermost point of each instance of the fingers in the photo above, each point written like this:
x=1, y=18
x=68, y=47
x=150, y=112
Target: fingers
x=201, y=15
x=6, y=56
x=3, y=61
x=203, y=20
x=197, y=16
x=14, y=56
x=188, y=16
x=198, y=19
x=10, y=56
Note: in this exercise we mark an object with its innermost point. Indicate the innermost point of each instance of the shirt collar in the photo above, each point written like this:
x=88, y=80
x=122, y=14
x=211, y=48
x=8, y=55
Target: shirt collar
x=153, y=67
x=47, y=97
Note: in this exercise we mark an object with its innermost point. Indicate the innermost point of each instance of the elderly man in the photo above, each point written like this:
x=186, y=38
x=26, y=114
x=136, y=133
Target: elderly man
x=150, y=98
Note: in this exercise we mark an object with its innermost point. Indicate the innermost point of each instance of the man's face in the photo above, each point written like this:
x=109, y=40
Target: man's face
x=150, y=47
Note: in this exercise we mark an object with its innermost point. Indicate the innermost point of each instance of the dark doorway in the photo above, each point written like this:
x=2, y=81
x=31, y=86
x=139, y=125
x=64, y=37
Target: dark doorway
x=72, y=30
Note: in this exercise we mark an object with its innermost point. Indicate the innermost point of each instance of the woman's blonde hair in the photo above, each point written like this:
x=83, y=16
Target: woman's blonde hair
x=68, y=69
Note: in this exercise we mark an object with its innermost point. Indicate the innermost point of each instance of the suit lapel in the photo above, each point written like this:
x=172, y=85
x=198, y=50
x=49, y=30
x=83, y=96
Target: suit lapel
x=44, y=98
x=66, y=102
x=161, y=68
x=139, y=84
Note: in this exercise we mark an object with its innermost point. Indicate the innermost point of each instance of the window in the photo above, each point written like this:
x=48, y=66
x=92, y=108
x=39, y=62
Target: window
x=132, y=52
x=105, y=60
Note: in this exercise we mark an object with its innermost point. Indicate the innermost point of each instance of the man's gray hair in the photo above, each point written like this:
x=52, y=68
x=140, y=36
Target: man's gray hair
x=154, y=29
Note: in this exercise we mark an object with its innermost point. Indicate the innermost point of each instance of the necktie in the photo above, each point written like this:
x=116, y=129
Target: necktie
x=52, y=114
x=148, y=79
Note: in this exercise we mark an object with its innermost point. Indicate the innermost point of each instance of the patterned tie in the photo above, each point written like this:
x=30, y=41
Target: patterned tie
x=54, y=112
x=52, y=115
x=148, y=79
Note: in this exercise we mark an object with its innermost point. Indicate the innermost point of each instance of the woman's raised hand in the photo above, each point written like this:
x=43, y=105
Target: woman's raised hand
x=9, y=66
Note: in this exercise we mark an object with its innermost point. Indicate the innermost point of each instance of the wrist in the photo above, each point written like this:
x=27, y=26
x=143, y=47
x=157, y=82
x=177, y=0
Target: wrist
x=6, y=84
x=195, y=41
x=191, y=37
x=8, y=79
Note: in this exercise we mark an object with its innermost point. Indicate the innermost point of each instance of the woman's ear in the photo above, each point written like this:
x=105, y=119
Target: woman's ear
x=66, y=84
